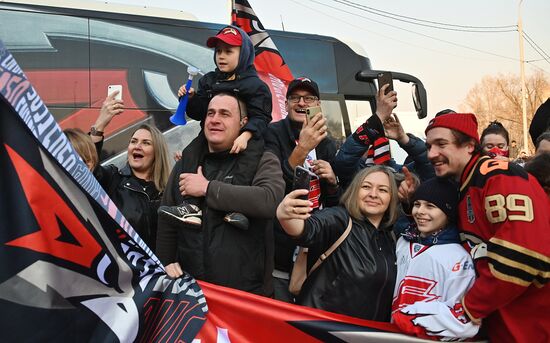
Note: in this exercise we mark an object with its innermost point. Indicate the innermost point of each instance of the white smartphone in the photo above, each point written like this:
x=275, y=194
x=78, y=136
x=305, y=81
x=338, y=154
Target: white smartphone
x=112, y=88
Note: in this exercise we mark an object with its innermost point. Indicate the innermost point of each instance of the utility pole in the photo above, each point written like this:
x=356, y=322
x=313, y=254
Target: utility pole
x=522, y=72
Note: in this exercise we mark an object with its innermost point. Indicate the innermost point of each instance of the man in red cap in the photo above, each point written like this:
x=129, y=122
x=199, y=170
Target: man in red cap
x=504, y=219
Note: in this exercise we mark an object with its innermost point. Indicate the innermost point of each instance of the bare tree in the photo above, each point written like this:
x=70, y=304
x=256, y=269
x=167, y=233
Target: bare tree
x=499, y=98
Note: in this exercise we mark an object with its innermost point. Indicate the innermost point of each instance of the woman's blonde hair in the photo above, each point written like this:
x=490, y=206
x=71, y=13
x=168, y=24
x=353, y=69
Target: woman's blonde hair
x=350, y=202
x=83, y=145
x=161, y=163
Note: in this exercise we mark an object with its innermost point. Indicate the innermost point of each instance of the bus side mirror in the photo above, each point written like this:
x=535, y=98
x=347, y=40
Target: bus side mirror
x=420, y=111
x=418, y=91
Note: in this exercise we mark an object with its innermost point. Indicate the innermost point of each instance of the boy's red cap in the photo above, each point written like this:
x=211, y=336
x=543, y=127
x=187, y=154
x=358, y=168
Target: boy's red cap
x=461, y=122
x=228, y=35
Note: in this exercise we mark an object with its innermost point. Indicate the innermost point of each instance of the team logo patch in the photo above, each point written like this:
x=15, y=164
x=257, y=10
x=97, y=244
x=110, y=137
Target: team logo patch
x=229, y=30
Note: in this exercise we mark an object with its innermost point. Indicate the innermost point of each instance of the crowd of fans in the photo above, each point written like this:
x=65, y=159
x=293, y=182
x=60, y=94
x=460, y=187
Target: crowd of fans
x=454, y=240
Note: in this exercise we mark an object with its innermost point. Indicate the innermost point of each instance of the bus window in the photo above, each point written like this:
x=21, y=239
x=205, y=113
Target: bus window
x=358, y=112
x=333, y=114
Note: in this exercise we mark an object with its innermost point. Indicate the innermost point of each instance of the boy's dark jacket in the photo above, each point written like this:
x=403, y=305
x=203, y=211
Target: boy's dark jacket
x=246, y=83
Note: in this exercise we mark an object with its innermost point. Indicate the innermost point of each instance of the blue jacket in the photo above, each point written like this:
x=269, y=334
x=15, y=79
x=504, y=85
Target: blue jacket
x=349, y=159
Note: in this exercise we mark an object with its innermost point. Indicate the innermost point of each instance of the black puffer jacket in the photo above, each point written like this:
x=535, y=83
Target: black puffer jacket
x=359, y=277
x=137, y=199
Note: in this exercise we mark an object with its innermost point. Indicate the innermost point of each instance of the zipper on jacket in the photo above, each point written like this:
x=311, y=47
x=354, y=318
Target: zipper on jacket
x=137, y=191
x=148, y=227
x=377, y=308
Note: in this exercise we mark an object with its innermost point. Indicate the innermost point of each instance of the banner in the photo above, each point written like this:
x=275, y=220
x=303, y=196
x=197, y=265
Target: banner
x=237, y=316
x=269, y=63
x=72, y=268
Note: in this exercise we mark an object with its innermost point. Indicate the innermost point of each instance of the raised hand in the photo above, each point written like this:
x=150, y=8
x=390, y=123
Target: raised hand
x=294, y=208
x=407, y=186
x=394, y=130
x=385, y=103
x=313, y=132
x=182, y=91
x=323, y=169
x=110, y=108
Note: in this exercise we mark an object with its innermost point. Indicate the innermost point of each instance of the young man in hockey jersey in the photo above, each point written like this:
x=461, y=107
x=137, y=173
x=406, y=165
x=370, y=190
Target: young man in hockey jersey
x=433, y=269
x=504, y=216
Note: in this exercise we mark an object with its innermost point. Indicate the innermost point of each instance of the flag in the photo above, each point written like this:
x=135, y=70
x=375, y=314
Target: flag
x=72, y=269
x=269, y=63
x=237, y=316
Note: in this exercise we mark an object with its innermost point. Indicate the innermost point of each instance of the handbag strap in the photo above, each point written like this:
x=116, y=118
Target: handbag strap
x=333, y=247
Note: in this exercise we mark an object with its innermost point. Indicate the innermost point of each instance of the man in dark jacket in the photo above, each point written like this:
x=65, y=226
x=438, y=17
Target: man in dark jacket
x=298, y=141
x=219, y=252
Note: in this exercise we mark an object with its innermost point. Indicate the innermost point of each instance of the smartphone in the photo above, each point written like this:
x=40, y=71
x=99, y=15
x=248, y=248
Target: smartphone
x=112, y=88
x=385, y=78
x=312, y=111
x=302, y=178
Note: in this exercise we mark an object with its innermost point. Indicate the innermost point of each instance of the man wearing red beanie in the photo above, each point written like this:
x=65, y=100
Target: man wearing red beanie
x=504, y=218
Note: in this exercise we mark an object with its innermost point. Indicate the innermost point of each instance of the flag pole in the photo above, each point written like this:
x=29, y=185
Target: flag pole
x=232, y=12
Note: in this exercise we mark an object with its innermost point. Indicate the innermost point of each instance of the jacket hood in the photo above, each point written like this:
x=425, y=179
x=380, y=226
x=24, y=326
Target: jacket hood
x=246, y=56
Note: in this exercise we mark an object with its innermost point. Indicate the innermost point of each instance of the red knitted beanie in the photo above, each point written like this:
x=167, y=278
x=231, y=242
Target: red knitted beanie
x=461, y=122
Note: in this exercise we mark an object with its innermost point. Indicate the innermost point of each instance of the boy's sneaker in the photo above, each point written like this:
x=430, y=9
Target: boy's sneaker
x=186, y=213
x=237, y=219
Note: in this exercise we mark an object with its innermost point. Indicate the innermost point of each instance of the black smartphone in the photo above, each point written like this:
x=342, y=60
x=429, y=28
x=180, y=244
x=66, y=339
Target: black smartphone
x=302, y=178
x=385, y=77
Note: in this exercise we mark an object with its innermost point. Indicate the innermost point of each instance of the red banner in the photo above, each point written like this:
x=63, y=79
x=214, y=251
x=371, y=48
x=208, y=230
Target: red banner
x=237, y=316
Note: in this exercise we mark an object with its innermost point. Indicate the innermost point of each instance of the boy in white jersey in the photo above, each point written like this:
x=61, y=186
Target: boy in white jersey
x=433, y=269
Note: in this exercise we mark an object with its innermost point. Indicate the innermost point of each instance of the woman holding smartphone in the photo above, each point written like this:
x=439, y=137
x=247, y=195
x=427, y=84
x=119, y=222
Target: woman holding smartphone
x=358, y=278
x=137, y=188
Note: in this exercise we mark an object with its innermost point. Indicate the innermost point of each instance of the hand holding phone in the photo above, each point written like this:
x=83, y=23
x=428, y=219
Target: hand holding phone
x=302, y=179
x=113, y=88
x=383, y=79
x=312, y=111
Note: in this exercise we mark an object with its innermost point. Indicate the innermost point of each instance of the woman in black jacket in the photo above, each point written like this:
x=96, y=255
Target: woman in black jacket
x=358, y=278
x=137, y=188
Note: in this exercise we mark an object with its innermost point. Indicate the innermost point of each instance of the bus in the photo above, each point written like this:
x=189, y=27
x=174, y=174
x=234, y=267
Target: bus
x=73, y=50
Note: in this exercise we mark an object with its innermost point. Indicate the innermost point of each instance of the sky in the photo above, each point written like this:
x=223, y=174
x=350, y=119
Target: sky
x=448, y=62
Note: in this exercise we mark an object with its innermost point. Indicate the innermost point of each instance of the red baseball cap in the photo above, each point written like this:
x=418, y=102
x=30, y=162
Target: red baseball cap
x=229, y=35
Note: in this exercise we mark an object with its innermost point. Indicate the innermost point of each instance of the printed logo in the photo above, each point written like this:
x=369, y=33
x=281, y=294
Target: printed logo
x=229, y=30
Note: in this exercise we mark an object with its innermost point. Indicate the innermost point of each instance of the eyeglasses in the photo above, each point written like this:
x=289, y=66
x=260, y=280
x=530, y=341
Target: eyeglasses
x=308, y=99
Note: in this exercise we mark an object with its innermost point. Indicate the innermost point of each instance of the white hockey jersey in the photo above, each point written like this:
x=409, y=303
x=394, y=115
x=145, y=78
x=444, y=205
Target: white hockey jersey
x=431, y=281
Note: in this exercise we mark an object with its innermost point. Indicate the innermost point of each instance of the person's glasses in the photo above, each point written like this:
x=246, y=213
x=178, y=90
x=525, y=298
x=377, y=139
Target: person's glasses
x=308, y=99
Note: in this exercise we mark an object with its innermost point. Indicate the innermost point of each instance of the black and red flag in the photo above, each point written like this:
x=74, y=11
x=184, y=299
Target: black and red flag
x=71, y=267
x=269, y=63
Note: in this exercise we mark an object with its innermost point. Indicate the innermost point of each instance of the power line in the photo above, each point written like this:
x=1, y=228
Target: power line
x=416, y=33
x=536, y=47
x=428, y=23
x=384, y=36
